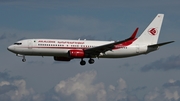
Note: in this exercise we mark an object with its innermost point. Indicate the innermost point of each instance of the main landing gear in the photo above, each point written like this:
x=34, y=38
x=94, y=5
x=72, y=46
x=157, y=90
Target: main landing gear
x=82, y=62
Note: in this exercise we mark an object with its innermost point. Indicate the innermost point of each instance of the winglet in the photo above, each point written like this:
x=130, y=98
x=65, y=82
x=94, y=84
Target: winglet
x=133, y=36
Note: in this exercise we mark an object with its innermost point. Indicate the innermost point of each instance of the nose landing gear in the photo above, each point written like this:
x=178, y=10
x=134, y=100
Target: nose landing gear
x=24, y=59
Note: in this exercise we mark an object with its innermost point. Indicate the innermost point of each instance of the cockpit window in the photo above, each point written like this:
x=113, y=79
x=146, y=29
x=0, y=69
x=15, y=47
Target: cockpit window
x=17, y=43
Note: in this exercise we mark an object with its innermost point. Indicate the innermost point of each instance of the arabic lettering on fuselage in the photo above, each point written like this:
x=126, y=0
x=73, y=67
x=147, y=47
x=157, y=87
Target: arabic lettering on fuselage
x=70, y=42
x=61, y=42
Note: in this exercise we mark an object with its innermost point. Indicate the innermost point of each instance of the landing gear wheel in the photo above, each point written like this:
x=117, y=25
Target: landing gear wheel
x=23, y=60
x=83, y=62
x=91, y=61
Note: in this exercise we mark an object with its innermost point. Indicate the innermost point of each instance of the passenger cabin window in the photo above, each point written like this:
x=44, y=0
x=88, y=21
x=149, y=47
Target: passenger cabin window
x=17, y=43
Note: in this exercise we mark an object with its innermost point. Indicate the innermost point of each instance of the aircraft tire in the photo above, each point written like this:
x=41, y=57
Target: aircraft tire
x=91, y=61
x=23, y=60
x=82, y=63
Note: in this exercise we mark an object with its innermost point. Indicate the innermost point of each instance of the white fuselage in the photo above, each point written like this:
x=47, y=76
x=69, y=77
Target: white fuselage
x=57, y=47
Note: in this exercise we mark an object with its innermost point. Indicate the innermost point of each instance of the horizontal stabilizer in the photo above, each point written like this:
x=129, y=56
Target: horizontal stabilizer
x=160, y=44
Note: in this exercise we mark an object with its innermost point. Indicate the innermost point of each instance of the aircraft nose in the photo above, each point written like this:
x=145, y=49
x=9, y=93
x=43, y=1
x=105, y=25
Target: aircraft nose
x=11, y=48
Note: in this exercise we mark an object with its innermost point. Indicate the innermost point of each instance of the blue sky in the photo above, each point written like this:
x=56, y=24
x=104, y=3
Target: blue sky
x=150, y=77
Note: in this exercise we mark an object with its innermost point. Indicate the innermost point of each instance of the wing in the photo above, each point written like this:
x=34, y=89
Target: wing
x=95, y=51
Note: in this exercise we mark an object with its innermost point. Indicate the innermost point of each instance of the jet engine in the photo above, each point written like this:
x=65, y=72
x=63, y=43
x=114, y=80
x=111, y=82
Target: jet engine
x=76, y=53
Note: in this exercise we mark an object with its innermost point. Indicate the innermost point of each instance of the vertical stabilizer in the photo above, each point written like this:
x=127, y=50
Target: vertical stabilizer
x=151, y=33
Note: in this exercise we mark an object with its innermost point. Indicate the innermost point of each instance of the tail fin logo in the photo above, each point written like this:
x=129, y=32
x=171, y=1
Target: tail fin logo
x=152, y=31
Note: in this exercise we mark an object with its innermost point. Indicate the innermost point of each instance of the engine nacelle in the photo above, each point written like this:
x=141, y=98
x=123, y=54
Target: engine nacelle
x=56, y=58
x=76, y=53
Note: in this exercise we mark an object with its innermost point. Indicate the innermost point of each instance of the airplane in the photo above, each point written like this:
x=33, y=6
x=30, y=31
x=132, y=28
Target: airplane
x=66, y=50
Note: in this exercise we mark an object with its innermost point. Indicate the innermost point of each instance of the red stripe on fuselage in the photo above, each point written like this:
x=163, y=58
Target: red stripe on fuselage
x=59, y=47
